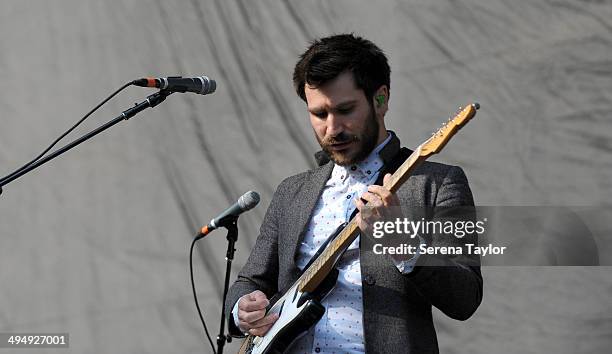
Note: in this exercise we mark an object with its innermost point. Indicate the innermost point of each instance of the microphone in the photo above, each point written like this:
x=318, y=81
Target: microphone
x=201, y=84
x=247, y=202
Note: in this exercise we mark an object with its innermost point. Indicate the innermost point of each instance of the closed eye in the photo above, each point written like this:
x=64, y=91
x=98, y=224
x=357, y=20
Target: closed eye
x=345, y=108
x=319, y=114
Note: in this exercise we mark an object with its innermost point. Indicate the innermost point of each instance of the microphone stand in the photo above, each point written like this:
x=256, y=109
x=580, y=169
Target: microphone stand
x=151, y=101
x=232, y=236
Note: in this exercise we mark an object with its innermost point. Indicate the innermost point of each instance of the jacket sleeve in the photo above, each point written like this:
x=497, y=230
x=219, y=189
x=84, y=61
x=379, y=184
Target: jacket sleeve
x=261, y=269
x=453, y=284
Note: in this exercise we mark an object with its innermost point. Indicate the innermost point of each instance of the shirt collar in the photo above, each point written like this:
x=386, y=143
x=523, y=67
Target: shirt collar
x=365, y=168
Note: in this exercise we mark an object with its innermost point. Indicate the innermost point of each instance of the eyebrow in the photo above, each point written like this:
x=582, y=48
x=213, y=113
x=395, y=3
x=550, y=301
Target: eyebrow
x=340, y=105
x=346, y=104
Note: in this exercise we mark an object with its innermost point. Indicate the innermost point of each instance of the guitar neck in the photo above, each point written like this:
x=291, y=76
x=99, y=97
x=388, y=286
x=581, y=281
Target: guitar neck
x=322, y=266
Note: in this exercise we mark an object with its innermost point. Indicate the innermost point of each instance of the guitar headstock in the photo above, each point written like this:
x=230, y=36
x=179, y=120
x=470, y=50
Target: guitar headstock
x=437, y=141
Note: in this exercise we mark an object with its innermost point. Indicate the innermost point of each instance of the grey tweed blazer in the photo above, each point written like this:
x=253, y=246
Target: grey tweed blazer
x=396, y=307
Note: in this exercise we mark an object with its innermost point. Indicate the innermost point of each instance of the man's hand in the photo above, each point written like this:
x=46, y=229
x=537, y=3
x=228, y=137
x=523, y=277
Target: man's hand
x=251, y=312
x=382, y=205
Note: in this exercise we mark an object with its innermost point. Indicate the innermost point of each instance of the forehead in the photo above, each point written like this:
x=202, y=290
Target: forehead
x=339, y=90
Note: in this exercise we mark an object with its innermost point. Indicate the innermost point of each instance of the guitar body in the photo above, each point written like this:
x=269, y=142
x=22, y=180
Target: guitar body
x=298, y=312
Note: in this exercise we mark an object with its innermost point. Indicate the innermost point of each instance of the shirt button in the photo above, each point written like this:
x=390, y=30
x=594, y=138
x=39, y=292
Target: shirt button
x=369, y=172
x=348, y=196
x=370, y=280
x=353, y=168
x=317, y=350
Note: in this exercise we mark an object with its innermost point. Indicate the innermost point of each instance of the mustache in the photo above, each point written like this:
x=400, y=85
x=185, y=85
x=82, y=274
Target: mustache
x=339, y=139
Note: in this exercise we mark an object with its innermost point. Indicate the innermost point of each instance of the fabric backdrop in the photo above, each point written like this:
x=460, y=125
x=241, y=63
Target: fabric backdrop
x=96, y=242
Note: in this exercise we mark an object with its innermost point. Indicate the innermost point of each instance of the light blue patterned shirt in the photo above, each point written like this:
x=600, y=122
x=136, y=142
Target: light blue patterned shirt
x=340, y=330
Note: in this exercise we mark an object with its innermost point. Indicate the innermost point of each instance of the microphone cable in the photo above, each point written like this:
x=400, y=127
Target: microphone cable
x=68, y=131
x=195, y=297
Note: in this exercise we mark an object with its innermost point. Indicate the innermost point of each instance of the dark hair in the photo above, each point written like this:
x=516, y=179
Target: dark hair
x=328, y=57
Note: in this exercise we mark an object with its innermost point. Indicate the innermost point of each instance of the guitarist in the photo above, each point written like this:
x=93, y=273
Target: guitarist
x=379, y=304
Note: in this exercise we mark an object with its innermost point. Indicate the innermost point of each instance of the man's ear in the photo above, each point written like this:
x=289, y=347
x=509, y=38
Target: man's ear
x=381, y=100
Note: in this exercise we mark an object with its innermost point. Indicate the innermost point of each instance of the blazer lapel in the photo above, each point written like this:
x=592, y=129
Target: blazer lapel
x=305, y=202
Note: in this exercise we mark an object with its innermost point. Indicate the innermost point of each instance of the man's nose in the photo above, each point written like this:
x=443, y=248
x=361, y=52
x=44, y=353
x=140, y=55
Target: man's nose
x=334, y=125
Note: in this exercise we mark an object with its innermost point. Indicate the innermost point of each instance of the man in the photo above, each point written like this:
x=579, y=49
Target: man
x=379, y=304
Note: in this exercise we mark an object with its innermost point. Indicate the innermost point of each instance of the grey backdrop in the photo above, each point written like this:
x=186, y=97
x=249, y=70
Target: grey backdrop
x=96, y=243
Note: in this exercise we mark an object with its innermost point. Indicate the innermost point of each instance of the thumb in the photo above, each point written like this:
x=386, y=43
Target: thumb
x=256, y=295
x=387, y=179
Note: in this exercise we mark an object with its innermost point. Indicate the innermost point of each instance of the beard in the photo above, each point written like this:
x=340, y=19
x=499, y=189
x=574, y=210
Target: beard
x=363, y=143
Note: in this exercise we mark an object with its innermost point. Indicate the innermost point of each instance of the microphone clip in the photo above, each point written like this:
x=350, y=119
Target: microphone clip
x=230, y=223
x=151, y=101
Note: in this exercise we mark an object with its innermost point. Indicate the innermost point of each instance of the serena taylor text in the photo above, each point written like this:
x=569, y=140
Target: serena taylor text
x=444, y=250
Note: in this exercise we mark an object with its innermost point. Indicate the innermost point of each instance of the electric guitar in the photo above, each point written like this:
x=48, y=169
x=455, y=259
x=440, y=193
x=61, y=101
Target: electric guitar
x=299, y=308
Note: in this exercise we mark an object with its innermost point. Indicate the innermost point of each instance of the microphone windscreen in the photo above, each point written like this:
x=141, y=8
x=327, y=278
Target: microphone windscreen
x=249, y=200
x=208, y=85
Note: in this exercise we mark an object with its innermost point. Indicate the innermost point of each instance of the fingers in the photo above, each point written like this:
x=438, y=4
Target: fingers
x=379, y=191
x=265, y=322
x=256, y=295
x=250, y=316
x=261, y=326
x=359, y=204
x=252, y=307
x=379, y=200
x=378, y=196
x=264, y=327
x=254, y=301
x=374, y=200
x=384, y=195
x=387, y=179
x=252, y=311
